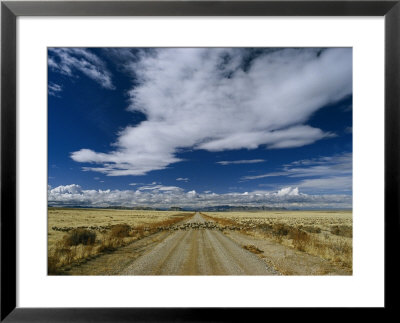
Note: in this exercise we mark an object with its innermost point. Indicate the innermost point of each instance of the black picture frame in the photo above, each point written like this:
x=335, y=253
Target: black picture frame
x=10, y=10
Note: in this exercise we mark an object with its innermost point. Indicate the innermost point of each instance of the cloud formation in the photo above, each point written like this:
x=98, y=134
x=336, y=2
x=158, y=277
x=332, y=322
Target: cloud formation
x=166, y=196
x=54, y=89
x=69, y=61
x=331, y=173
x=238, y=162
x=159, y=188
x=221, y=99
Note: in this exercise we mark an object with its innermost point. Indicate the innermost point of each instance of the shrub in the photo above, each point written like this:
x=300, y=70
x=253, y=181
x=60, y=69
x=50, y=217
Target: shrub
x=312, y=229
x=280, y=229
x=80, y=236
x=342, y=230
x=300, y=239
x=120, y=231
x=265, y=227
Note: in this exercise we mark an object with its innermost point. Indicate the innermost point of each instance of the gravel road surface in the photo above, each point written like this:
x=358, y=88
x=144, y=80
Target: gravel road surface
x=198, y=248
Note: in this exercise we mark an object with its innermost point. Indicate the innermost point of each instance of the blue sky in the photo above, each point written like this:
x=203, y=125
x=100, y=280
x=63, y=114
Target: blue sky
x=200, y=126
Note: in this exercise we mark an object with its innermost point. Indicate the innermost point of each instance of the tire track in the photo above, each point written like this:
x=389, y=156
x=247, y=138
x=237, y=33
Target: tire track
x=198, y=250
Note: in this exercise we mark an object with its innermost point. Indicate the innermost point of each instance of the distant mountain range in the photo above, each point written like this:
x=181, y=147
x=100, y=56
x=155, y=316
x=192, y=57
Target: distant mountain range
x=217, y=208
x=226, y=208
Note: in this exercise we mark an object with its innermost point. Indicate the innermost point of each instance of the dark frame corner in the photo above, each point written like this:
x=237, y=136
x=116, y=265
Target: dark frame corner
x=10, y=10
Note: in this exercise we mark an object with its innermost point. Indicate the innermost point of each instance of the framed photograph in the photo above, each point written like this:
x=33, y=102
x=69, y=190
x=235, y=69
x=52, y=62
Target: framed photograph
x=161, y=159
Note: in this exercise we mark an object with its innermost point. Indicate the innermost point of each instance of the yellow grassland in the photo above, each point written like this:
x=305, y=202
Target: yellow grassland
x=327, y=234
x=111, y=229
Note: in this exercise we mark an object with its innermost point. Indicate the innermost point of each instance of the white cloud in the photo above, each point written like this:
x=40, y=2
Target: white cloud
x=237, y=162
x=182, y=179
x=337, y=183
x=66, y=189
x=332, y=173
x=288, y=191
x=338, y=165
x=166, y=196
x=54, y=89
x=68, y=61
x=159, y=188
x=222, y=99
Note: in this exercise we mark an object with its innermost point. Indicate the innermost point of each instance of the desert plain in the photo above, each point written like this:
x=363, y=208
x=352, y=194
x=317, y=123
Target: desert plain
x=148, y=242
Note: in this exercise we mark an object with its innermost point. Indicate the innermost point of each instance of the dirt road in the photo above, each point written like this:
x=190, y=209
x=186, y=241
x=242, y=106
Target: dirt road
x=197, y=247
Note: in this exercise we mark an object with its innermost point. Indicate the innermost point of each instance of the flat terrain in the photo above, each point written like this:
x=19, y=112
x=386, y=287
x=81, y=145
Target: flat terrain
x=198, y=249
x=76, y=236
x=325, y=234
x=62, y=219
x=172, y=243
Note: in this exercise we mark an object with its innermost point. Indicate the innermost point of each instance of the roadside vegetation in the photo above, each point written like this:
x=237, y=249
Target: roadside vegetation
x=324, y=234
x=78, y=235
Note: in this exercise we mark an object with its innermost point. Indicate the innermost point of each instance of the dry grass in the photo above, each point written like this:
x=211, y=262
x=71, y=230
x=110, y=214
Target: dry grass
x=77, y=235
x=326, y=234
x=120, y=231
